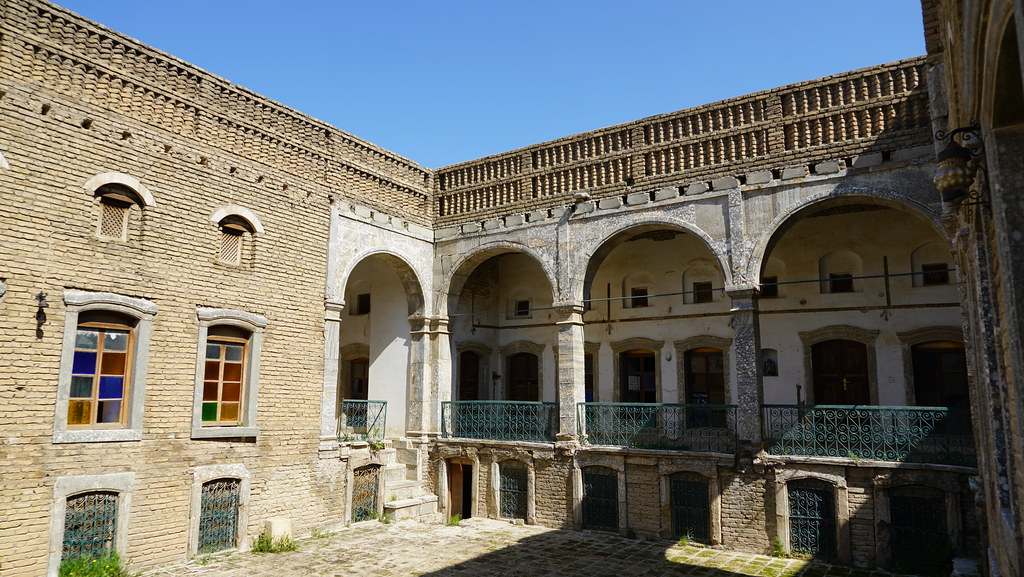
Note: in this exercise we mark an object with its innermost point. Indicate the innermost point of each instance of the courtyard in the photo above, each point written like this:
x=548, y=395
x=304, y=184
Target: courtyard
x=495, y=548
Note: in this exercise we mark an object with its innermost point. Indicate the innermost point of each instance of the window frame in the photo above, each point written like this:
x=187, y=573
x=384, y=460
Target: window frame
x=104, y=328
x=65, y=487
x=254, y=325
x=143, y=312
x=204, y=474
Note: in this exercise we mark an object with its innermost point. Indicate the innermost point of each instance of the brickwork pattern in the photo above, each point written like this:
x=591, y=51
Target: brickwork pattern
x=746, y=509
x=643, y=499
x=876, y=109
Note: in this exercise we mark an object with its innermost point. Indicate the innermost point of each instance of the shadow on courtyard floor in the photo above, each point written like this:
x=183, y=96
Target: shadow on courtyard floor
x=595, y=554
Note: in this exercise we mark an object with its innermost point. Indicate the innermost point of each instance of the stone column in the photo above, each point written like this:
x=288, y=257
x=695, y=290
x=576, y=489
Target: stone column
x=418, y=395
x=437, y=378
x=332, y=344
x=746, y=346
x=570, y=361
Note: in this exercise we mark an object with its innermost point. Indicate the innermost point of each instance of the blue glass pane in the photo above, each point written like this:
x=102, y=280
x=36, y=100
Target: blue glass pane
x=233, y=353
x=111, y=387
x=115, y=341
x=86, y=339
x=84, y=363
x=213, y=351
x=81, y=387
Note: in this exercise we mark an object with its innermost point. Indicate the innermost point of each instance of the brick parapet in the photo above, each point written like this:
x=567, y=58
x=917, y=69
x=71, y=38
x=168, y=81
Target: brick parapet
x=879, y=108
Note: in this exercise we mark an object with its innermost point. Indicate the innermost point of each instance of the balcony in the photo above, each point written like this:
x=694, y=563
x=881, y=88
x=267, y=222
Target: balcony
x=703, y=428
x=499, y=420
x=908, y=434
x=360, y=420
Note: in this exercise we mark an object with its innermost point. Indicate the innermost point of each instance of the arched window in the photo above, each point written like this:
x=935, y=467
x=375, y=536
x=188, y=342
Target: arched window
x=90, y=525
x=237, y=225
x=116, y=195
x=837, y=271
x=218, y=515
x=940, y=374
x=638, y=382
x=812, y=517
x=469, y=376
x=523, y=377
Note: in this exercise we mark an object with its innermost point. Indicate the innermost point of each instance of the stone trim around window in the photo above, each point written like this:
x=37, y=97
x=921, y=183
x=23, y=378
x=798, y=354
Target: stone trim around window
x=204, y=474
x=143, y=311
x=833, y=476
x=252, y=323
x=64, y=487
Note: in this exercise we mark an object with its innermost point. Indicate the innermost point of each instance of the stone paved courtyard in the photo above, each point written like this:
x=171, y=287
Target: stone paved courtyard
x=482, y=547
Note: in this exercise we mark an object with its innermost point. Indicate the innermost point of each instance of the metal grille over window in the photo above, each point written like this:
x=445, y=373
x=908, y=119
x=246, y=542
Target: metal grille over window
x=230, y=247
x=918, y=537
x=90, y=525
x=364, y=493
x=218, y=515
x=513, y=493
x=600, y=499
x=812, y=518
x=935, y=274
x=691, y=509
x=113, y=220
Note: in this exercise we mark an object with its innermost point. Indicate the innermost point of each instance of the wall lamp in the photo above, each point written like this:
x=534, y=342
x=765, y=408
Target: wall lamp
x=40, y=313
x=957, y=164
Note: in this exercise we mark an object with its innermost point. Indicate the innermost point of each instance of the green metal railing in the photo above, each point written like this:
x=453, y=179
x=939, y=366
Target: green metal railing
x=707, y=428
x=913, y=434
x=499, y=420
x=360, y=420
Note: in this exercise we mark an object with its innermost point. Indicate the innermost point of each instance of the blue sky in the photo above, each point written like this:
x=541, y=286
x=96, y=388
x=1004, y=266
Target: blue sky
x=446, y=81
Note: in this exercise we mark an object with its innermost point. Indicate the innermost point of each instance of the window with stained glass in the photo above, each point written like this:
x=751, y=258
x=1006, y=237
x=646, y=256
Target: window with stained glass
x=223, y=380
x=99, y=374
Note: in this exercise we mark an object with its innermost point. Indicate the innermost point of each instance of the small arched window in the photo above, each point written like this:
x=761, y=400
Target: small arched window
x=116, y=194
x=237, y=226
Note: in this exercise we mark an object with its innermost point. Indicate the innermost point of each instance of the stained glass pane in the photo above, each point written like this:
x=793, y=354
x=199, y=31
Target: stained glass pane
x=111, y=387
x=210, y=391
x=232, y=372
x=115, y=341
x=113, y=363
x=233, y=352
x=84, y=363
x=229, y=411
x=231, y=391
x=81, y=387
x=86, y=339
x=78, y=412
x=209, y=411
x=212, y=351
x=212, y=370
x=109, y=412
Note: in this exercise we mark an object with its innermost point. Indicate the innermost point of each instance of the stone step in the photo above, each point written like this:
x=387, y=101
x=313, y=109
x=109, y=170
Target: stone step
x=422, y=508
x=404, y=489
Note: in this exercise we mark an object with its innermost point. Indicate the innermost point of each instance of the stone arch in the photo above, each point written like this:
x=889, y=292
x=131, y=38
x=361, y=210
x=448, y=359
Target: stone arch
x=456, y=277
x=592, y=258
x=405, y=271
x=229, y=210
x=754, y=261
x=145, y=196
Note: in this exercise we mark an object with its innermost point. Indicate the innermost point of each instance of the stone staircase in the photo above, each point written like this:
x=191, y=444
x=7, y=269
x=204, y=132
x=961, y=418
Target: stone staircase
x=405, y=479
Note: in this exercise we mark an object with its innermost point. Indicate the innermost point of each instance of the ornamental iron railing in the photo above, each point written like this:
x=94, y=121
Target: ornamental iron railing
x=706, y=428
x=914, y=434
x=360, y=420
x=499, y=420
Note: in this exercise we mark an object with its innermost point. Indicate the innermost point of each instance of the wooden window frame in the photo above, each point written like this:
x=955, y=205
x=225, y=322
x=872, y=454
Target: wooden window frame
x=223, y=342
x=97, y=374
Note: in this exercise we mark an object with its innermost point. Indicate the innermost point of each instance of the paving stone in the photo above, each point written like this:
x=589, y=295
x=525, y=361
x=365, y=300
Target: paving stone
x=492, y=548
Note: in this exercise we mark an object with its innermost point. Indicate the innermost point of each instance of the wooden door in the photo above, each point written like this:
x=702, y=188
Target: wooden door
x=638, y=381
x=469, y=376
x=840, y=373
x=523, y=382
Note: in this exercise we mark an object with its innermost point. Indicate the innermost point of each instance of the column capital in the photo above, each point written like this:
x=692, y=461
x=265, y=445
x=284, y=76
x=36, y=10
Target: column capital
x=333, y=309
x=569, y=312
x=742, y=291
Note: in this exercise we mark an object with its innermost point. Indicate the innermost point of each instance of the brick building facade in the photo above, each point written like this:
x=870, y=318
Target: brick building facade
x=740, y=322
